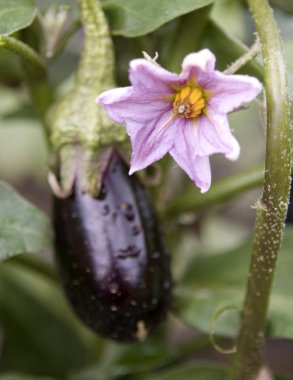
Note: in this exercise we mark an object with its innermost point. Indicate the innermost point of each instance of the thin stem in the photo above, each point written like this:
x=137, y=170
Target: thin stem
x=222, y=190
x=35, y=72
x=41, y=95
x=272, y=207
x=245, y=58
x=26, y=53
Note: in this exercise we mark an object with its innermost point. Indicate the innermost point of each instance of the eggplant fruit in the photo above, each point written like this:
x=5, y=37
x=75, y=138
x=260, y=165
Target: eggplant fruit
x=112, y=261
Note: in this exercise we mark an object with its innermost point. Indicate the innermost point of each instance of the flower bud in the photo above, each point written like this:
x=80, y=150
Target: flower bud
x=113, y=264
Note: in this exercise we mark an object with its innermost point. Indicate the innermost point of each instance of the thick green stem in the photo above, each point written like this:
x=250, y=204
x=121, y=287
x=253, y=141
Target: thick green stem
x=272, y=207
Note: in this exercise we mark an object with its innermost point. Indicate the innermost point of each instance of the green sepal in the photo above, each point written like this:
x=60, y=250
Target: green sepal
x=77, y=119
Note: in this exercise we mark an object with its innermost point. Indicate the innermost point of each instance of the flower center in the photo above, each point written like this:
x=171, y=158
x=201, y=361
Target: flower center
x=189, y=102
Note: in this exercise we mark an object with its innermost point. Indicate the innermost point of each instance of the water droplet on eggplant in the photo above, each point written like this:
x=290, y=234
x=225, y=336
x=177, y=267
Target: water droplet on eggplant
x=114, y=289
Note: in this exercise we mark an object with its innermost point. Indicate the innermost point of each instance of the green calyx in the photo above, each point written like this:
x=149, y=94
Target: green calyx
x=77, y=122
x=77, y=118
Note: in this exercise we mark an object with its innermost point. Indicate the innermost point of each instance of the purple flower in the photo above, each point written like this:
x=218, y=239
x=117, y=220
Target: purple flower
x=185, y=114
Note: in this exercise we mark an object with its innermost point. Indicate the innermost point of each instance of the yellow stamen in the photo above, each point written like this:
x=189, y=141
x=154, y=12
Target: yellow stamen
x=189, y=102
x=184, y=93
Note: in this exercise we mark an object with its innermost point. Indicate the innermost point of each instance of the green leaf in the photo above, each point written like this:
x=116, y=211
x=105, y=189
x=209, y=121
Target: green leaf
x=284, y=5
x=15, y=15
x=177, y=45
x=218, y=282
x=41, y=334
x=189, y=372
x=132, y=18
x=140, y=357
x=18, y=376
x=130, y=359
x=23, y=227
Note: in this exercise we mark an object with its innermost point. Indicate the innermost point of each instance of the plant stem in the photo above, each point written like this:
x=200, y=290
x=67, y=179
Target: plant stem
x=25, y=52
x=222, y=190
x=35, y=74
x=245, y=58
x=272, y=207
x=41, y=94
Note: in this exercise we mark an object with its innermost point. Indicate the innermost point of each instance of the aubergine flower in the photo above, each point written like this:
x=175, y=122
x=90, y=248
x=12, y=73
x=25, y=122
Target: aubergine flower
x=185, y=114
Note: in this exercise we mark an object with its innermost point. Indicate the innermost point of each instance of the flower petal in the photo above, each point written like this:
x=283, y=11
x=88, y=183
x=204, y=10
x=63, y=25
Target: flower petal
x=113, y=99
x=214, y=136
x=198, y=66
x=184, y=152
x=152, y=141
x=228, y=92
x=124, y=105
x=147, y=76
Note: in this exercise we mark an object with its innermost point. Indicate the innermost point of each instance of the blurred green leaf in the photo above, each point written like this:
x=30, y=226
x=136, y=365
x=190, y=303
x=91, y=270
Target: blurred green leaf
x=23, y=111
x=133, y=18
x=41, y=334
x=24, y=228
x=178, y=44
x=129, y=359
x=218, y=282
x=23, y=148
x=18, y=376
x=9, y=69
x=15, y=15
x=284, y=5
x=142, y=357
x=192, y=372
x=37, y=264
x=227, y=49
x=189, y=372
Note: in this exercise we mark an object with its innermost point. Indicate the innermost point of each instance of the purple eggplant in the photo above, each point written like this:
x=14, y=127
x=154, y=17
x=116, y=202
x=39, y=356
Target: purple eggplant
x=113, y=263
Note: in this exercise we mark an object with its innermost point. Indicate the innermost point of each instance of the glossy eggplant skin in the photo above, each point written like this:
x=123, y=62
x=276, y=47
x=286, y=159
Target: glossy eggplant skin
x=112, y=261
